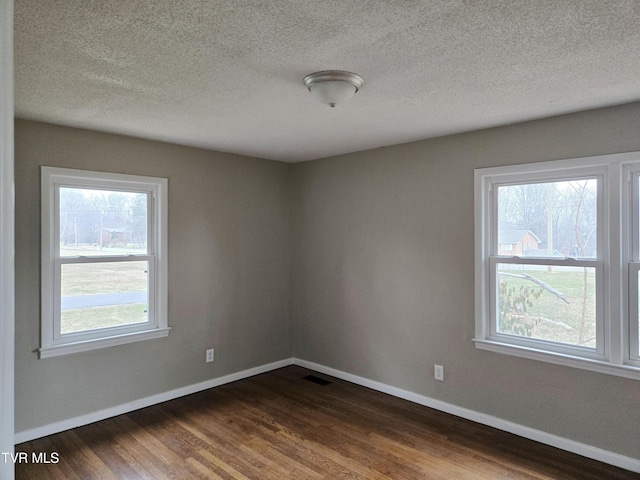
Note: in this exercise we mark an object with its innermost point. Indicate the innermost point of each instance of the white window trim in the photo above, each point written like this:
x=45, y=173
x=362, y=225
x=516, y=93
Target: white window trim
x=614, y=356
x=53, y=345
x=631, y=256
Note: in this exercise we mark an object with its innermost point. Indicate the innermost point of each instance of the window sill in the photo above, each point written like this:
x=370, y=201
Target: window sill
x=84, y=346
x=620, y=370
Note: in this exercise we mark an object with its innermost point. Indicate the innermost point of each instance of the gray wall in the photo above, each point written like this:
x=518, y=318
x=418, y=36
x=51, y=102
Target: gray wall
x=384, y=276
x=382, y=249
x=229, y=272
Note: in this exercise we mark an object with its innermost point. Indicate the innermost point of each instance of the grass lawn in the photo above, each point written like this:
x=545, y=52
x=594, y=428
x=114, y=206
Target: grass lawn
x=97, y=278
x=89, y=278
x=83, y=319
x=550, y=317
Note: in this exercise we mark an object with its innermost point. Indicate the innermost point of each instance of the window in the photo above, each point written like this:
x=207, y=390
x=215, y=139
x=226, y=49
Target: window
x=572, y=297
x=104, y=268
x=633, y=177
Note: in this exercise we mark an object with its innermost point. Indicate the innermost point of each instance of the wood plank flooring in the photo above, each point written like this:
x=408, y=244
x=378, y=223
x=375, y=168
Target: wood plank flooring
x=281, y=426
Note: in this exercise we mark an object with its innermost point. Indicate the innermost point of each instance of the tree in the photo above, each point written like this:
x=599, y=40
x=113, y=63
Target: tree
x=71, y=205
x=584, y=231
x=523, y=207
x=512, y=309
x=138, y=219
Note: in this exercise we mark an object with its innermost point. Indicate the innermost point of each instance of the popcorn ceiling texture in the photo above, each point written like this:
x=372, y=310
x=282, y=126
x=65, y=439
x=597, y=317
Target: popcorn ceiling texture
x=227, y=75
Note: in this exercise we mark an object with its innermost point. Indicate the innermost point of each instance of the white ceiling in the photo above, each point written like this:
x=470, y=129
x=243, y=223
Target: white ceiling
x=227, y=75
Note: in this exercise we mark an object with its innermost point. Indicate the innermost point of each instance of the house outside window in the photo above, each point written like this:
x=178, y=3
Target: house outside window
x=104, y=266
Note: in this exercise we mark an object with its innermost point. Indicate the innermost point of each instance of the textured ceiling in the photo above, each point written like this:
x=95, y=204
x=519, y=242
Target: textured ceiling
x=227, y=75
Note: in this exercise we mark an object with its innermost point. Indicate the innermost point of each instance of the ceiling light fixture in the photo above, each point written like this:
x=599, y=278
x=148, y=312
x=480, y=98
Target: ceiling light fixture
x=333, y=86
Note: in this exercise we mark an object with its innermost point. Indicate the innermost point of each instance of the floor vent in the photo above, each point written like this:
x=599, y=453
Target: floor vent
x=318, y=380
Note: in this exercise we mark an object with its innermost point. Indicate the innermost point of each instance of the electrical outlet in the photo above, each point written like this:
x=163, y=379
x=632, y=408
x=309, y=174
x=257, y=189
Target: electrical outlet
x=210, y=355
x=438, y=372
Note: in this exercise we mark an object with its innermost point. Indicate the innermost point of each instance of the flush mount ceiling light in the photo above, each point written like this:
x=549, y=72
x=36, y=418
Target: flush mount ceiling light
x=333, y=86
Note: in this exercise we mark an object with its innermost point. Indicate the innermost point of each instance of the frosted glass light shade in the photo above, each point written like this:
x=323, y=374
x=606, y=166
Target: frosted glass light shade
x=332, y=92
x=333, y=86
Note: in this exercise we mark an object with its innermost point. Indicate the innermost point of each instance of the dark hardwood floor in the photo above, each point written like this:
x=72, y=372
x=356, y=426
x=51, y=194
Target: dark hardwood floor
x=281, y=426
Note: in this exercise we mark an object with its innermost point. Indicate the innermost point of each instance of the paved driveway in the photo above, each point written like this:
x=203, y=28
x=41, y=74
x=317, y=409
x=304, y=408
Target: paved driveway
x=103, y=299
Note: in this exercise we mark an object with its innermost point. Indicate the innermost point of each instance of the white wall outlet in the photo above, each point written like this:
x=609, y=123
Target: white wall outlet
x=209, y=355
x=438, y=372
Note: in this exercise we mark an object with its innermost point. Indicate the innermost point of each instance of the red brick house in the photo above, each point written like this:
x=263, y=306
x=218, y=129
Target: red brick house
x=516, y=242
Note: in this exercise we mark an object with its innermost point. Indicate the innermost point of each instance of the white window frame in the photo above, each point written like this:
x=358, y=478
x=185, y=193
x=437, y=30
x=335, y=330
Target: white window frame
x=631, y=257
x=617, y=260
x=53, y=343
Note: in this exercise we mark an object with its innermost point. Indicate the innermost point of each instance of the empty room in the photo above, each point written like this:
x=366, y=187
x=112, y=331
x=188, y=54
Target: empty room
x=320, y=239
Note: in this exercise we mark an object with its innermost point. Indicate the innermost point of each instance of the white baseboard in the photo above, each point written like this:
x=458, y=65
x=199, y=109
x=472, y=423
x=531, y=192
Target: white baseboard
x=583, y=449
x=56, y=427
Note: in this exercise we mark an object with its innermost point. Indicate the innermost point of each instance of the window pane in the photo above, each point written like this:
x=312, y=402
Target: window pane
x=554, y=219
x=636, y=243
x=101, y=295
x=102, y=222
x=555, y=304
